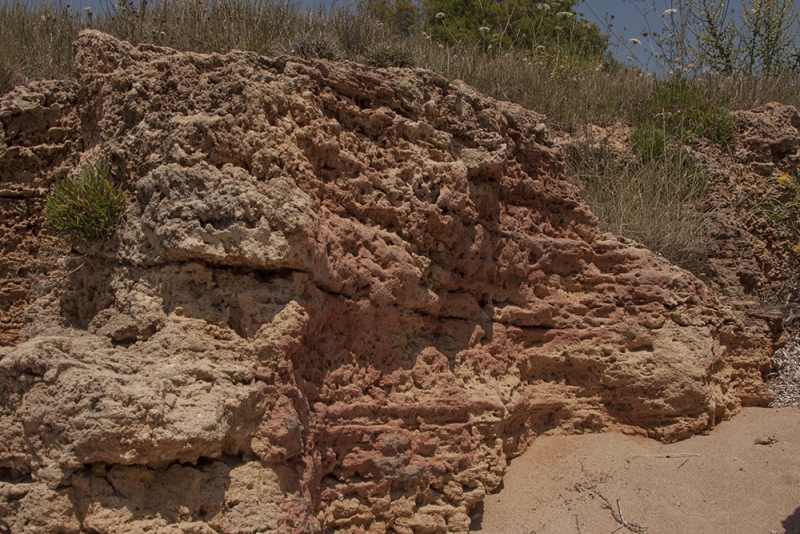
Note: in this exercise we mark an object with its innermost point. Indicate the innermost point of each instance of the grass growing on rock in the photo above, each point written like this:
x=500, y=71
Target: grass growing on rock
x=86, y=208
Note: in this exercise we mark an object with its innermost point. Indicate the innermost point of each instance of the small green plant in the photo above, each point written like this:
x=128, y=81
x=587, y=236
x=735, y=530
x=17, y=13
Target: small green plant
x=649, y=140
x=678, y=109
x=86, y=208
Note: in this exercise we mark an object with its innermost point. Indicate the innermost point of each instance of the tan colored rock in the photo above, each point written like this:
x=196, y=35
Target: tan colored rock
x=767, y=136
x=341, y=299
x=39, y=145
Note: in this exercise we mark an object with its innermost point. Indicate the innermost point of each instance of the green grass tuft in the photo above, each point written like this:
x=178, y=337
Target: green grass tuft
x=86, y=208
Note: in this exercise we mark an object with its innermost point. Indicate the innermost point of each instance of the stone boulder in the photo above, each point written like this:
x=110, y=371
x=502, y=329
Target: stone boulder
x=341, y=299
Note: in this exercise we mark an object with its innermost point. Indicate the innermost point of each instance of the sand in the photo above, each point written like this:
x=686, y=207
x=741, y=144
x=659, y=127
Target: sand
x=743, y=477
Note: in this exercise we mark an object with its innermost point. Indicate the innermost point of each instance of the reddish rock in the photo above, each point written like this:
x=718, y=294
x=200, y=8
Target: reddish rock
x=340, y=300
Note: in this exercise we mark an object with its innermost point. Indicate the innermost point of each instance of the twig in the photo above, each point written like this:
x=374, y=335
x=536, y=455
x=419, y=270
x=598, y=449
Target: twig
x=676, y=455
x=619, y=518
x=684, y=462
x=60, y=278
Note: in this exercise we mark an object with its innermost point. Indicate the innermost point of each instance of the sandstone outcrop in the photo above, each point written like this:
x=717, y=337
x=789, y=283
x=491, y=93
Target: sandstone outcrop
x=340, y=300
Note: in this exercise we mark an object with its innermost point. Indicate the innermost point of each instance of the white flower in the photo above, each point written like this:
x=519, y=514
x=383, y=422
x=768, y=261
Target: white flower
x=88, y=10
x=565, y=14
x=543, y=6
x=440, y=15
x=634, y=41
x=483, y=29
x=669, y=12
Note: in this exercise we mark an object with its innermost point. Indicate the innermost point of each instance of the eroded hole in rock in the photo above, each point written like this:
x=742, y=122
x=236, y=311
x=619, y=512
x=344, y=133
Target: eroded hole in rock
x=12, y=476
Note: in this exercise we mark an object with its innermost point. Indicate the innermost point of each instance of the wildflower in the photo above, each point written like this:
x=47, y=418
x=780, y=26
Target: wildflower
x=440, y=15
x=88, y=10
x=565, y=14
x=784, y=179
x=483, y=29
x=634, y=41
x=544, y=6
x=668, y=12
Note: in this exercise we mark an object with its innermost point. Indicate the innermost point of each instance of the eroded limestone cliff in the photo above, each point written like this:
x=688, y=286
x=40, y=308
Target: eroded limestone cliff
x=340, y=300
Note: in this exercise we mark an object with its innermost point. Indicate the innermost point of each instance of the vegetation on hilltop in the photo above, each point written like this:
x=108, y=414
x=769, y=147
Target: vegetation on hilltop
x=542, y=55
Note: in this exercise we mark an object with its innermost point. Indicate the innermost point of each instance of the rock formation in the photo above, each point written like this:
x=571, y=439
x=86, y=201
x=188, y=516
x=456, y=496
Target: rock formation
x=340, y=300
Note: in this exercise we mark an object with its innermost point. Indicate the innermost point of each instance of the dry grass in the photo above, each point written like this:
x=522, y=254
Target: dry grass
x=658, y=202
x=36, y=43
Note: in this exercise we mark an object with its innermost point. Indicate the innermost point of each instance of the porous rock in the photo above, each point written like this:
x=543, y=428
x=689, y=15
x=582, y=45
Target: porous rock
x=340, y=300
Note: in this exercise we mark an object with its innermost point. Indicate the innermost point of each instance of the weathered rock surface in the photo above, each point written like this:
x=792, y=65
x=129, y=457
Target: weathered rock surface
x=340, y=300
x=39, y=145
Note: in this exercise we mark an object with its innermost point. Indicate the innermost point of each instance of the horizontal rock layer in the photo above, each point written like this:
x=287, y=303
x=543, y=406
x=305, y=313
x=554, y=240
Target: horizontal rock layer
x=340, y=300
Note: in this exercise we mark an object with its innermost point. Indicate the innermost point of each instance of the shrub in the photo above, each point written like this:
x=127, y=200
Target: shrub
x=86, y=208
x=391, y=56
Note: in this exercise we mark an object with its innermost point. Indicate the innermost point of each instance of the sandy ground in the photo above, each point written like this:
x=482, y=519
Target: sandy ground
x=743, y=477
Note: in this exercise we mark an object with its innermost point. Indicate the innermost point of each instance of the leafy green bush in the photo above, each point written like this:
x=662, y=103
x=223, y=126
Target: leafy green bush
x=86, y=208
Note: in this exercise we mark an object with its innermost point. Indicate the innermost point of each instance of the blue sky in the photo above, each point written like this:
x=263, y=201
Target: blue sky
x=631, y=18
